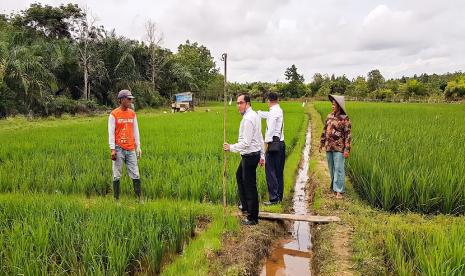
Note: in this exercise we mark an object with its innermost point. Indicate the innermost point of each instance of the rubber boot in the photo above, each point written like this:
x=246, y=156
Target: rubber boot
x=137, y=188
x=116, y=189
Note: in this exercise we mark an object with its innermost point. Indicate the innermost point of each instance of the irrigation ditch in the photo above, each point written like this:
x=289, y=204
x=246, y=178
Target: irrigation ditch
x=292, y=255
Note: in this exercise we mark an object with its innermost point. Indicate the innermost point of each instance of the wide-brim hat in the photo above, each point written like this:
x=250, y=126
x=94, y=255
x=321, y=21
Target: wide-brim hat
x=125, y=94
x=339, y=100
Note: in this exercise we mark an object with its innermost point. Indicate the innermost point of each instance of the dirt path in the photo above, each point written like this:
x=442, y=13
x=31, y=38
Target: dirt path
x=332, y=242
x=342, y=232
x=341, y=245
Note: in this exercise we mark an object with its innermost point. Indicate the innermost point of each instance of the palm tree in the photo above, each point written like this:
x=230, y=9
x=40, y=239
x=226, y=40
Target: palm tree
x=126, y=69
x=25, y=67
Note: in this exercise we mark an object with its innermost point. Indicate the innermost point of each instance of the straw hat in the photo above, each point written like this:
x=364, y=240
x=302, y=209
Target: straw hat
x=339, y=100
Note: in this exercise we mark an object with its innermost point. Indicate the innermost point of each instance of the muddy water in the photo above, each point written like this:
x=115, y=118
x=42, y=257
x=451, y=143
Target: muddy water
x=292, y=256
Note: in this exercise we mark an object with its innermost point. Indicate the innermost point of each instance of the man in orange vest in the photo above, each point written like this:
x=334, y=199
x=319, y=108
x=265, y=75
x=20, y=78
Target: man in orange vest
x=124, y=140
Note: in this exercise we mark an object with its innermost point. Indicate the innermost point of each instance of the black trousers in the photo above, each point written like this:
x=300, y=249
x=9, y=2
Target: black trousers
x=274, y=169
x=246, y=176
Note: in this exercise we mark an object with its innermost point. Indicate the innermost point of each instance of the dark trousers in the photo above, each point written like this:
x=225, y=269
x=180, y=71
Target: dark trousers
x=274, y=168
x=246, y=176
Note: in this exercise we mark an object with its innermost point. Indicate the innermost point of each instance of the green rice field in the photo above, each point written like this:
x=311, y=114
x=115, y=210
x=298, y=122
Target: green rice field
x=408, y=156
x=58, y=216
x=182, y=155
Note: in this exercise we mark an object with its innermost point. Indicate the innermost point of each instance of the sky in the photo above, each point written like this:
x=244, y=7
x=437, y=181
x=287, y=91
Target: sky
x=264, y=37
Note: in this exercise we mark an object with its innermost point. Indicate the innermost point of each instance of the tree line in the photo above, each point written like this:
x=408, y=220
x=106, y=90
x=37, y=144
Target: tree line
x=435, y=87
x=57, y=59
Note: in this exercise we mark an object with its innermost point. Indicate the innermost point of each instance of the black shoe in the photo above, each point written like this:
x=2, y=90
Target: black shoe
x=249, y=222
x=271, y=202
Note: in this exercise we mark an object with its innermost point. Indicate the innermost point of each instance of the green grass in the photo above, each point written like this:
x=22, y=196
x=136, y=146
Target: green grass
x=195, y=258
x=44, y=234
x=293, y=160
x=408, y=156
x=182, y=154
x=433, y=247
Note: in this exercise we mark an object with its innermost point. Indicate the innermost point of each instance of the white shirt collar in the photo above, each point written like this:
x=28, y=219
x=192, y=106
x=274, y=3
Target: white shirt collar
x=274, y=106
x=247, y=110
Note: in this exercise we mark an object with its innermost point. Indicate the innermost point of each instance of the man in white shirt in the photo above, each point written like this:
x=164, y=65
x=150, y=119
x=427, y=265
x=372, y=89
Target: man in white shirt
x=276, y=154
x=250, y=146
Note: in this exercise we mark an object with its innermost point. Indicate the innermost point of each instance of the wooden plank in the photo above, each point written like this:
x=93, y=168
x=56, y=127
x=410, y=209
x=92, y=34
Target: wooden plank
x=309, y=218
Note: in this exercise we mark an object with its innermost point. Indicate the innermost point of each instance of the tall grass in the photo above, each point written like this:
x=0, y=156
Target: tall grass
x=42, y=235
x=182, y=155
x=408, y=156
x=427, y=249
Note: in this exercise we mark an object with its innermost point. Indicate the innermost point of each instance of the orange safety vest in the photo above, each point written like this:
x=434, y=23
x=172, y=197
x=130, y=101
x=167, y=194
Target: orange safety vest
x=124, y=128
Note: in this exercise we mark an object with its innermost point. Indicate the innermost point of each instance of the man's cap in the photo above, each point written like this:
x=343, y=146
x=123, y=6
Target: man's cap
x=125, y=94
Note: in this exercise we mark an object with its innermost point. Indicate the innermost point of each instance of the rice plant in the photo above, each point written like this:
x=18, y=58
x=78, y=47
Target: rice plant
x=427, y=249
x=182, y=154
x=49, y=234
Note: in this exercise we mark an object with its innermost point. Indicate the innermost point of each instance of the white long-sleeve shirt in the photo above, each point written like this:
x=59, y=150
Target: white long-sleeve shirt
x=111, y=132
x=250, y=135
x=274, y=123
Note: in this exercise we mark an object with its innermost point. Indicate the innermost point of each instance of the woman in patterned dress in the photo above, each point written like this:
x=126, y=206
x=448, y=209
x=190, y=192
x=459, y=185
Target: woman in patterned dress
x=336, y=141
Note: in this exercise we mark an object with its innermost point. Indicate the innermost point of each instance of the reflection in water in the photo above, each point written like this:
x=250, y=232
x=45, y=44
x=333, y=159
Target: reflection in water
x=292, y=256
x=287, y=262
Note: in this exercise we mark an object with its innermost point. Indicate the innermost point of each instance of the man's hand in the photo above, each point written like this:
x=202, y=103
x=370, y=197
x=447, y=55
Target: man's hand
x=319, y=149
x=139, y=153
x=346, y=154
x=261, y=162
x=113, y=154
x=226, y=147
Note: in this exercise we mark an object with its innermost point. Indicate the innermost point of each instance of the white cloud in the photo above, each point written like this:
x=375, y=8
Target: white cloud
x=382, y=14
x=384, y=28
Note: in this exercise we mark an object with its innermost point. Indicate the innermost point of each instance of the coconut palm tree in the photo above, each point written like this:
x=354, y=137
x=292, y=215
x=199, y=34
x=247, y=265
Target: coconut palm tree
x=25, y=69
